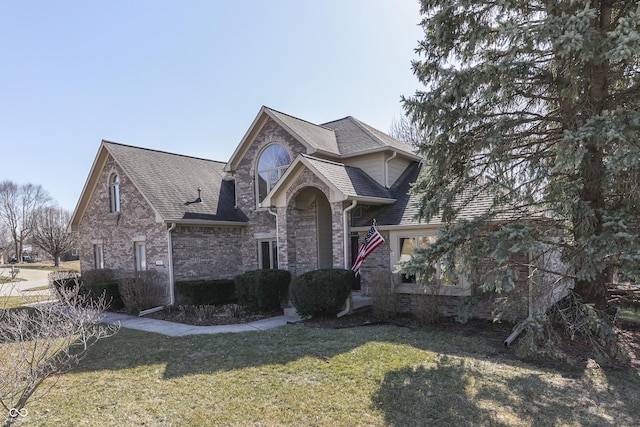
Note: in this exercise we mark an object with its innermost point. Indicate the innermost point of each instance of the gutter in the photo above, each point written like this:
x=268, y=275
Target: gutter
x=345, y=222
x=172, y=298
x=386, y=168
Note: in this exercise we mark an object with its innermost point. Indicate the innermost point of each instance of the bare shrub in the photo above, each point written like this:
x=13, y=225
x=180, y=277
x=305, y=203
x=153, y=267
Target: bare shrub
x=234, y=311
x=147, y=289
x=40, y=342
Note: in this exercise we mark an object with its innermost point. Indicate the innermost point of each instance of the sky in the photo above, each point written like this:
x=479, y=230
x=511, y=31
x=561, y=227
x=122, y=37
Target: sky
x=187, y=76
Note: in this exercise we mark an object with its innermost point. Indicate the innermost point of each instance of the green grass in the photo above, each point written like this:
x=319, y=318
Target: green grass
x=294, y=375
x=19, y=301
x=48, y=266
x=629, y=315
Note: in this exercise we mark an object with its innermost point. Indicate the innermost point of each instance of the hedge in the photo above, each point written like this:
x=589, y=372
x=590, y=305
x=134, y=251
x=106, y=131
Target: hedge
x=321, y=292
x=111, y=293
x=262, y=290
x=204, y=292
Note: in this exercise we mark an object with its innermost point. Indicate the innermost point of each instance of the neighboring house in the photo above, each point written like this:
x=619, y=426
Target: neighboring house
x=294, y=195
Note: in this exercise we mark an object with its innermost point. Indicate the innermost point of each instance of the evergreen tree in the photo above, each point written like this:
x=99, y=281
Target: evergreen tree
x=533, y=107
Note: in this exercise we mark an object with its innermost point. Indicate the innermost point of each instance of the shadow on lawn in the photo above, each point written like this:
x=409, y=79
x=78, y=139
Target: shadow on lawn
x=202, y=354
x=451, y=393
x=431, y=388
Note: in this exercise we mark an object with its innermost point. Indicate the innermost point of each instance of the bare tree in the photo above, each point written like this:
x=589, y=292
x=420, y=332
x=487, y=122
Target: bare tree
x=18, y=205
x=39, y=343
x=406, y=130
x=50, y=232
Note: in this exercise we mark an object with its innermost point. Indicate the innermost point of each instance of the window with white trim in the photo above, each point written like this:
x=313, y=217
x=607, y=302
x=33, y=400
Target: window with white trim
x=272, y=164
x=141, y=256
x=114, y=193
x=406, y=248
x=98, y=256
x=268, y=253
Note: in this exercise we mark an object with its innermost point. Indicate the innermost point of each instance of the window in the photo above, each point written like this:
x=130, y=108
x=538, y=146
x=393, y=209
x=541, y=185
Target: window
x=114, y=193
x=272, y=164
x=98, y=257
x=268, y=253
x=141, y=256
x=407, y=245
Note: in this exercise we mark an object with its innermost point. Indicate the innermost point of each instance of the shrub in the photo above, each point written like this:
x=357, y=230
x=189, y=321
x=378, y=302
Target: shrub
x=107, y=290
x=262, y=290
x=147, y=289
x=204, y=292
x=63, y=280
x=101, y=275
x=321, y=291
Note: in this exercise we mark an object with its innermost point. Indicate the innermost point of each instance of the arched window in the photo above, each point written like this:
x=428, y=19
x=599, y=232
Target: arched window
x=272, y=164
x=114, y=193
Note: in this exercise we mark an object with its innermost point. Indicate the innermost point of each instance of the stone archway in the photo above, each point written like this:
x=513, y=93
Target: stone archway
x=309, y=222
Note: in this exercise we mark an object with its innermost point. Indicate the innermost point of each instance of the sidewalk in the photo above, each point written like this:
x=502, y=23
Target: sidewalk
x=179, y=330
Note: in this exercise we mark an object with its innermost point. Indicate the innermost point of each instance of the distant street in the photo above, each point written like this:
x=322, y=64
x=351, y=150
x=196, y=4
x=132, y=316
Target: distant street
x=30, y=279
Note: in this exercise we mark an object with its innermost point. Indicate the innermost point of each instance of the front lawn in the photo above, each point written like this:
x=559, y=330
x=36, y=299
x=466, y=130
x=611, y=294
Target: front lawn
x=296, y=375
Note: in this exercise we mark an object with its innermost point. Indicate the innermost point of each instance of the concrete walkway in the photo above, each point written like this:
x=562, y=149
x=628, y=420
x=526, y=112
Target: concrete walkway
x=179, y=330
x=37, y=278
x=29, y=278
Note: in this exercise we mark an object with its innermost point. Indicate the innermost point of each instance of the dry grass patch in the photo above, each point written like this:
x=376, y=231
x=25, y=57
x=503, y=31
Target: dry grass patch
x=295, y=375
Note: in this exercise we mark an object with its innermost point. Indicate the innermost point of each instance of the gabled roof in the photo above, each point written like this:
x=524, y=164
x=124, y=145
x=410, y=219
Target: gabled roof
x=405, y=211
x=355, y=137
x=338, y=139
x=167, y=181
x=345, y=182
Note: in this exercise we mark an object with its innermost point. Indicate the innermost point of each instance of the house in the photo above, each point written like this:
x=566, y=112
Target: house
x=294, y=195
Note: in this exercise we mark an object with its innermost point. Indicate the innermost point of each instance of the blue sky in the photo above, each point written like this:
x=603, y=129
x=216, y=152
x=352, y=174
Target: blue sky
x=187, y=76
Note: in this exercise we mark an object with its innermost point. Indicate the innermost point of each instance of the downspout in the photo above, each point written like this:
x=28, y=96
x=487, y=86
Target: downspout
x=171, y=285
x=520, y=326
x=345, y=223
x=172, y=298
x=275, y=214
x=386, y=168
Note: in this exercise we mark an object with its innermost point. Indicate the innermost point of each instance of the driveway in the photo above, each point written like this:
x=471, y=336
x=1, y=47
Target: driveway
x=30, y=279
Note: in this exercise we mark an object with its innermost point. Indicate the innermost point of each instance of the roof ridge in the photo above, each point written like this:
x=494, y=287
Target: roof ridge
x=365, y=129
x=105, y=141
x=331, y=162
x=298, y=118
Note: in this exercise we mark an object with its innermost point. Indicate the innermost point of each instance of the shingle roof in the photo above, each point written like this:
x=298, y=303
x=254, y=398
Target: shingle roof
x=321, y=138
x=351, y=181
x=169, y=180
x=405, y=211
x=342, y=137
x=354, y=136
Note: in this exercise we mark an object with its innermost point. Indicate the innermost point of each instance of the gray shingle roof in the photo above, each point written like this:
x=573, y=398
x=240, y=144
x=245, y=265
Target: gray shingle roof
x=169, y=180
x=319, y=137
x=404, y=212
x=343, y=137
x=351, y=181
x=354, y=136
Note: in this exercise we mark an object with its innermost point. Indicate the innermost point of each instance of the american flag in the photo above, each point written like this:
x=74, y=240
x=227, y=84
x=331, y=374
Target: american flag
x=371, y=242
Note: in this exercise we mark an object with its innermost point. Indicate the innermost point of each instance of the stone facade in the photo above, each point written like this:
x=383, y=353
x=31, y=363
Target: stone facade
x=206, y=253
x=118, y=232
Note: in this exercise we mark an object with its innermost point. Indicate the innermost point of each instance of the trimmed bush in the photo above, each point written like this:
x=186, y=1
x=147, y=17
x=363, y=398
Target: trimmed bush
x=111, y=293
x=204, y=292
x=321, y=292
x=262, y=290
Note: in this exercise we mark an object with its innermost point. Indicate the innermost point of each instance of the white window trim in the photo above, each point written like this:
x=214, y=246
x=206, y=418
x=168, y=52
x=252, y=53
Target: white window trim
x=271, y=252
x=98, y=256
x=114, y=193
x=141, y=262
x=256, y=173
x=462, y=288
